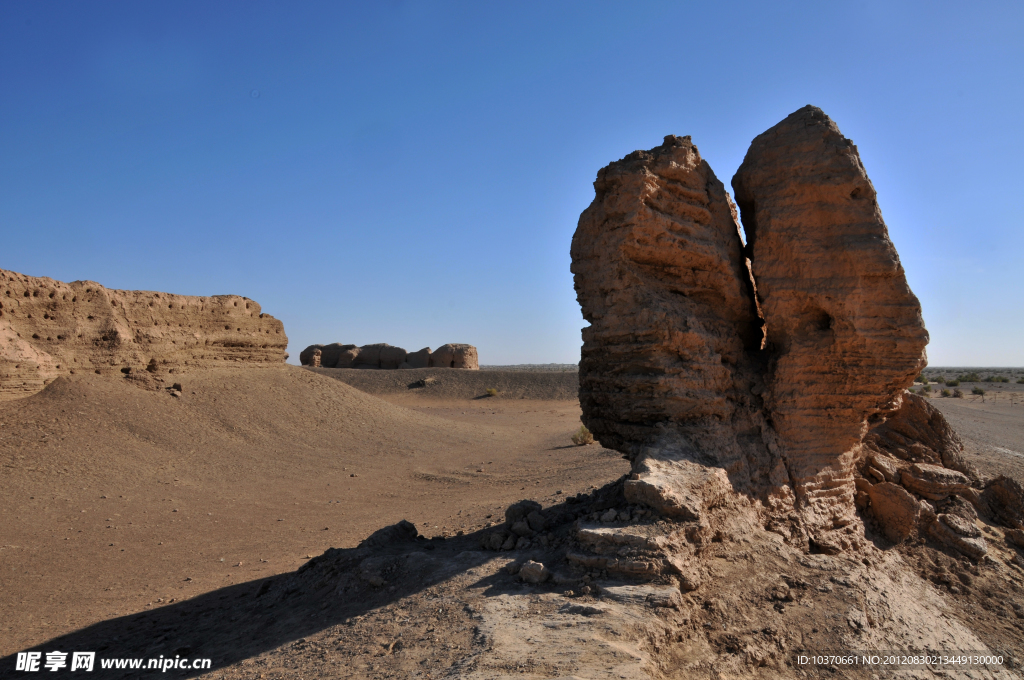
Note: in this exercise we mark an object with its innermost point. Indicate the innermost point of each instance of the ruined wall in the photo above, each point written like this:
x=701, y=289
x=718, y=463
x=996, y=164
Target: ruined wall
x=49, y=329
x=385, y=356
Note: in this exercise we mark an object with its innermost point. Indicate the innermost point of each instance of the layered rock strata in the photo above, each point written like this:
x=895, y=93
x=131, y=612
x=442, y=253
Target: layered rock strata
x=845, y=333
x=669, y=365
x=385, y=356
x=765, y=360
x=50, y=329
x=913, y=480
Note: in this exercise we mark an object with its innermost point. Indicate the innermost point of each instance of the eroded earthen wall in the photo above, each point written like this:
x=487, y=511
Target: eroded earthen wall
x=49, y=328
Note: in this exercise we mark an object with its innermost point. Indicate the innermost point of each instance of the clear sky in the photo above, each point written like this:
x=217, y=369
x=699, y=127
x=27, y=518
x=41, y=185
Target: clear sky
x=412, y=172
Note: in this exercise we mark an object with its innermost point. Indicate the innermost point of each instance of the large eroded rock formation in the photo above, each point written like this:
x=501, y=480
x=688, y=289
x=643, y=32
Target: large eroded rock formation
x=49, y=329
x=845, y=333
x=675, y=369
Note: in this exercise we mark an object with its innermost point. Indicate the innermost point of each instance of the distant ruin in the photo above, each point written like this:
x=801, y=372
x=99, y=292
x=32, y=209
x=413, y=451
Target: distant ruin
x=385, y=356
x=50, y=329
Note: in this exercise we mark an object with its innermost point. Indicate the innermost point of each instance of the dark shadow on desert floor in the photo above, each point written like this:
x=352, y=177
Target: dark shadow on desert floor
x=244, y=620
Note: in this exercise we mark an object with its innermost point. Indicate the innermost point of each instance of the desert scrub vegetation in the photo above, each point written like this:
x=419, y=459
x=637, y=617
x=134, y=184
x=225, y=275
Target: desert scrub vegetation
x=977, y=390
x=491, y=392
x=969, y=377
x=582, y=436
x=952, y=383
x=996, y=379
x=947, y=393
x=1021, y=381
x=957, y=394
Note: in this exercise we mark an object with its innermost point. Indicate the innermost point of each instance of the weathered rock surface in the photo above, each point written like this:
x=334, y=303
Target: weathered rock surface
x=50, y=329
x=896, y=510
x=419, y=359
x=940, y=499
x=670, y=370
x=660, y=276
x=455, y=356
x=534, y=572
x=934, y=482
x=336, y=355
x=844, y=330
x=1003, y=498
x=918, y=433
x=773, y=369
x=385, y=356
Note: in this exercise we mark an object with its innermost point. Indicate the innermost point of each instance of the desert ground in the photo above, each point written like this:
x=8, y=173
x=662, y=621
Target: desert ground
x=991, y=425
x=224, y=524
x=119, y=500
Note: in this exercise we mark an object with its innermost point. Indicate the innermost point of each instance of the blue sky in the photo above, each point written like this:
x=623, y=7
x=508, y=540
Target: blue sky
x=412, y=173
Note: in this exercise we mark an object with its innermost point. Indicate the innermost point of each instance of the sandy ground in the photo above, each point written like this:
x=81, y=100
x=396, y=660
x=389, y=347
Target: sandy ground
x=991, y=426
x=117, y=499
x=139, y=524
x=443, y=383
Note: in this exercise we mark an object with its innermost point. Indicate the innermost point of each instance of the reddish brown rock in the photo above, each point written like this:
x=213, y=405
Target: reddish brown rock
x=669, y=371
x=934, y=482
x=1015, y=537
x=946, y=530
x=392, y=357
x=896, y=510
x=1003, y=498
x=50, y=329
x=675, y=370
x=659, y=274
x=918, y=433
x=844, y=331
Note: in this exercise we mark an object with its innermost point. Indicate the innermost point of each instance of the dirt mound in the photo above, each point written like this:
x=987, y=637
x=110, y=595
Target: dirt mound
x=438, y=383
x=50, y=329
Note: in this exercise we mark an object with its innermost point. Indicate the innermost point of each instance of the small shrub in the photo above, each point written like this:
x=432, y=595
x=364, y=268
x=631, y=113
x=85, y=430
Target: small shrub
x=969, y=377
x=921, y=379
x=582, y=436
x=946, y=393
x=952, y=383
x=1021, y=381
x=926, y=388
x=977, y=390
x=957, y=394
x=491, y=392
